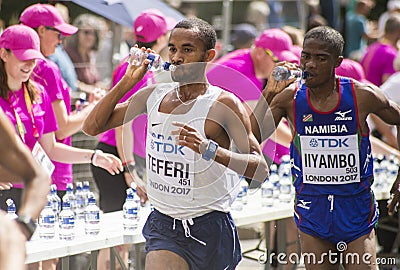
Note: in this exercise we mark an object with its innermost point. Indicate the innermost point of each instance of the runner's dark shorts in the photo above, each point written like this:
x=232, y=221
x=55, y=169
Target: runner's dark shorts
x=216, y=229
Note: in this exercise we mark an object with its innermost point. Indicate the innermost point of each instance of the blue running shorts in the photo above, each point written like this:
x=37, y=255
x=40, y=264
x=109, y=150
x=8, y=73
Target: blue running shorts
x=336, y=218
x=213, y=243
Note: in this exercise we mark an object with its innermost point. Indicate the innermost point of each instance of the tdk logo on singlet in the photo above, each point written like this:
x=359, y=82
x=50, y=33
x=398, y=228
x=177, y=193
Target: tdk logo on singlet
x=165, y=147
x=342, y=116
x=329, y=143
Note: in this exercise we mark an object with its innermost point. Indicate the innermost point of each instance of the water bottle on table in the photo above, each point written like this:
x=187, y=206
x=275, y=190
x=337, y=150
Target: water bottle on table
x=156, y=63
x=80, y=201
x=92, y=216
x=131, y=209
x=67, y=222
x=267, y=194
x=70, y=196
x=55, y=200
x=86, y=191
x=285, y=188
x=80, y=104
x=11, y=209
x=274, y=177
x=244, y=189
x=47, y=222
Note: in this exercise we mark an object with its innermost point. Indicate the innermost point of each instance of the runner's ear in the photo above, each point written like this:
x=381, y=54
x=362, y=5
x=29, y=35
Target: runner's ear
x=210, y=54
x=338, y=61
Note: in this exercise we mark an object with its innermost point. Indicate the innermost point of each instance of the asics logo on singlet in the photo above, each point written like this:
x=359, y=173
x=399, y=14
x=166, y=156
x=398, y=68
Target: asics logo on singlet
x=304, y=204
x=342, y=116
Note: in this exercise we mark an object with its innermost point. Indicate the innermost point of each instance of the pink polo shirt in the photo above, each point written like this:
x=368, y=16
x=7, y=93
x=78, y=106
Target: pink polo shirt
x=43, y=114
x=48, y=74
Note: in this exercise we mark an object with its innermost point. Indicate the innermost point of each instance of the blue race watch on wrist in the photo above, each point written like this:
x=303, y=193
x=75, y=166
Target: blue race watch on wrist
x=211, y=150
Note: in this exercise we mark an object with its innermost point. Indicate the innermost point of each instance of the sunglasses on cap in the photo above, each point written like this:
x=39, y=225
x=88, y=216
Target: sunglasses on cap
x=270, y=53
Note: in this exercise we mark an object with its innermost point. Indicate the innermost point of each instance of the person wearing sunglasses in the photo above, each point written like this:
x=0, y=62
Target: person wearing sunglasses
x=83, y=46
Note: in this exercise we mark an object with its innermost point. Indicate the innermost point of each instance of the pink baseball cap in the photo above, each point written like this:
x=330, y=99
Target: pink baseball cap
x=149, y=25
x=46, y=15
x=171, y=22
x=23, y=41
x=352, y=69
x=279, y=43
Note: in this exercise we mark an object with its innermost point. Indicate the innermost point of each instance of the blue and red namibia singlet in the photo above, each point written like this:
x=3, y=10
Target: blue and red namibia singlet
x=330, y=155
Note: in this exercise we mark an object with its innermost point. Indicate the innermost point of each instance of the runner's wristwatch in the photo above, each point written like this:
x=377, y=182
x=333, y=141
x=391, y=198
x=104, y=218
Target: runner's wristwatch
x=28, y=224
x=211, y=150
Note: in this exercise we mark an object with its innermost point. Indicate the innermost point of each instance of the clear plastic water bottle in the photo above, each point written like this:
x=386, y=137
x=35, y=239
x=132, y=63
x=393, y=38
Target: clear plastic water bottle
x=244, y=189
x=285, y=166
x=55, y=200
x=92, y=216
x=79, y=105
x=67, y=222
x=377, y=185
x=86, y=191
x=237, y=204
x=70, y=196
x=392, y=169
x=131, y=210
x=156, y=63
x=285, y=188
x=282, y=73
x=267, y=193
x=47, y=222
x=80, y=201
x=274, y=179
x=11, y=209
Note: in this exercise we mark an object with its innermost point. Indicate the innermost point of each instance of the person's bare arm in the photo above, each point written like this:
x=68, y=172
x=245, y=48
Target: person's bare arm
x=12, y=245
x=229, y=114
x=379, y=147
x=385, y=130
x=67, y=154
x=267, y=114
x=250, y=161
x=107, y=113
x=372, y=100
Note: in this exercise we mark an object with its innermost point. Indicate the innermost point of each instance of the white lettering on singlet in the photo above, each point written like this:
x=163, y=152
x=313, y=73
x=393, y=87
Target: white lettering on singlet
x=325, y=129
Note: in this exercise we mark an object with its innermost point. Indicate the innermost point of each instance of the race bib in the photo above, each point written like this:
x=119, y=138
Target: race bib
x=330, y=159
x=170, y=167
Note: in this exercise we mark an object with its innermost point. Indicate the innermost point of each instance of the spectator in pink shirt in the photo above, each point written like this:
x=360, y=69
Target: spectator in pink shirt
x=379, y=57
x=28, y=106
